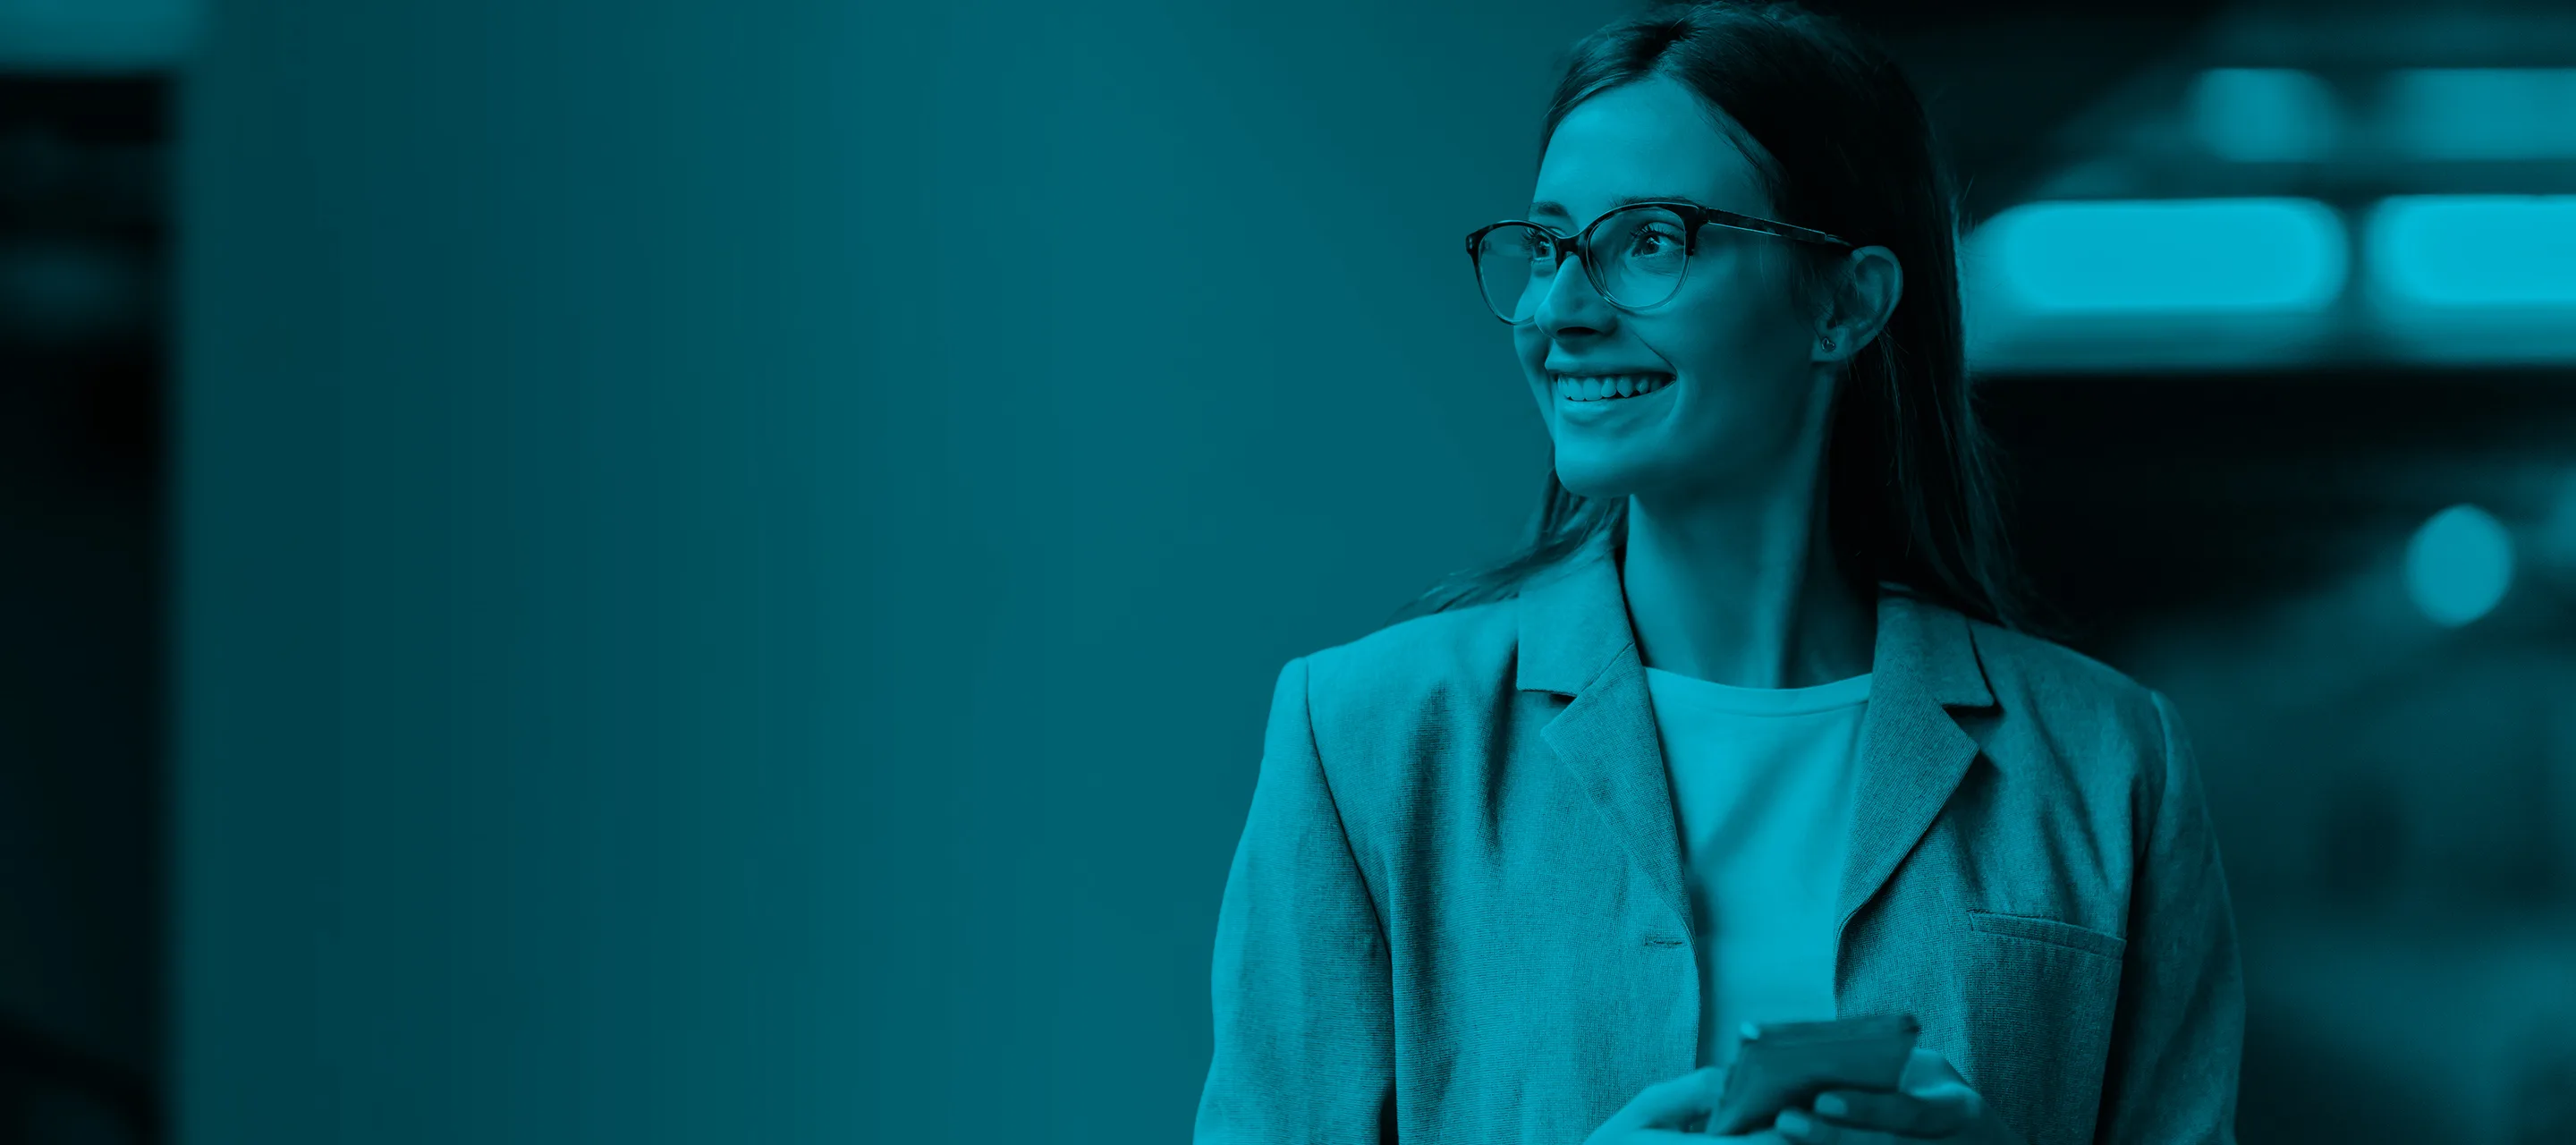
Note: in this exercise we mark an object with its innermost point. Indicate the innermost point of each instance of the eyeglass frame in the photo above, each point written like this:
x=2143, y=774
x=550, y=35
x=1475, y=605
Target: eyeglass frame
x=1694, y=217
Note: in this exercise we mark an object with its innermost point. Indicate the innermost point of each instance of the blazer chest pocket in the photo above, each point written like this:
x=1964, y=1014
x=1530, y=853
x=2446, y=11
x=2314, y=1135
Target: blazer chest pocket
x=2048, y=930
x=2041, y=996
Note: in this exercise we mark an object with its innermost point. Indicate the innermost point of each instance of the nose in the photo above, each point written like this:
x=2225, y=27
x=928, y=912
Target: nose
x=1570, y=306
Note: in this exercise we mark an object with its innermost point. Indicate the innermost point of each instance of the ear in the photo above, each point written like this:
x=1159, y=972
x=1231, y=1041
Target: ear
x=1860, y=296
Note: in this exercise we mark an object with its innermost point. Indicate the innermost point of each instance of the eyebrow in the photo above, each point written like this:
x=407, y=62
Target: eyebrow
x=1558, y=209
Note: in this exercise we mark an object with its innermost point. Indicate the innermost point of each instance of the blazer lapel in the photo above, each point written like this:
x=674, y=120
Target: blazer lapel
x=1912, y=753
x=1575, y=641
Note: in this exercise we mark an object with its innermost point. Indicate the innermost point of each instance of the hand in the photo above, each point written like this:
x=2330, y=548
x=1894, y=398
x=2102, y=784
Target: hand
x=1669, y=1113
x=1932, y=1103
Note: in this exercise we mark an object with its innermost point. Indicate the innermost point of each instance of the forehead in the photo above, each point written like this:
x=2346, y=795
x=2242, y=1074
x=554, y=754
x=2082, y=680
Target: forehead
x=1652, y=137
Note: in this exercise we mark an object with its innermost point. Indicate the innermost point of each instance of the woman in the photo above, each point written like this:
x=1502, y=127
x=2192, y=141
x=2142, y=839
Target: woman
x=1751, y=732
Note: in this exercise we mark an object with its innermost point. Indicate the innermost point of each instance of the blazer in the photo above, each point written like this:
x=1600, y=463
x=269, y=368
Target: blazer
x=1457, y=912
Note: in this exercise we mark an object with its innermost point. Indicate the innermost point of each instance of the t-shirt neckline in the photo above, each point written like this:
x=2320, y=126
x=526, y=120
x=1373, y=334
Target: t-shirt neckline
x=1712, y=696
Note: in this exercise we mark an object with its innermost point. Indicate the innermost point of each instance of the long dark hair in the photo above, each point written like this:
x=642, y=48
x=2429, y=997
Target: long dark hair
x=1910, y=483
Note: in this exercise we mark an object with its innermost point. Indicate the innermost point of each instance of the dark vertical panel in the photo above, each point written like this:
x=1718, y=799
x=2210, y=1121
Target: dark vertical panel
x=732, y=559
x=83, y=251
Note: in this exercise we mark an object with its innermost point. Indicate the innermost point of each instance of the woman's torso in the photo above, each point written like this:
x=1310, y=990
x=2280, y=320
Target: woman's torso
x=1498, y=776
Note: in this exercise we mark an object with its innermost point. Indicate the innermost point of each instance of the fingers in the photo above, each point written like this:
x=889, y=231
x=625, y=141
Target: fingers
x=1669, y=1103
x=1816, y=1132
x=1763, y=1136
x=1936, y=1103
x=1925, y=1113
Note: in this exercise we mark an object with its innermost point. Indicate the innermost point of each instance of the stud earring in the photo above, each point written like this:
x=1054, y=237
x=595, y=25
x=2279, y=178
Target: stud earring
x=1829, y=341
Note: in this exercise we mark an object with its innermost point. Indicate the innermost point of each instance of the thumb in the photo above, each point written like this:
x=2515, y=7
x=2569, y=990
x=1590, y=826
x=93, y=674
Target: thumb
x=1930, y=1077
x=1927, y=1069
x=1670, y=1103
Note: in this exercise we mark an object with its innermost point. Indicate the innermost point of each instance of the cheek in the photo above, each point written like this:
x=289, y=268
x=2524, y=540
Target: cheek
x=1743, y=384
x=1734, y=350
x=1739, y=318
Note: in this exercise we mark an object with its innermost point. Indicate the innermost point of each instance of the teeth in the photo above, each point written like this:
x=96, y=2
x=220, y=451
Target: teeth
x=1596, y=387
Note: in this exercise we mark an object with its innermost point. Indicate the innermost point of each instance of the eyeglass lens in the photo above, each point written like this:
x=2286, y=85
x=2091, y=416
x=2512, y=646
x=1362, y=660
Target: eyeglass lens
x=1636, y=261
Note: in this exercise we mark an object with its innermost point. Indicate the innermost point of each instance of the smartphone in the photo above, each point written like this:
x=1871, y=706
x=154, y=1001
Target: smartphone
x=1786, y=1064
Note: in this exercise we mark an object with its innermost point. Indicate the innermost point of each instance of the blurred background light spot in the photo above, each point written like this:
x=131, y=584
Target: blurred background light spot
x=2475, y=250
x=2458, y=565
x=2168, y=256
x=2482, y=113
x=2264, y=115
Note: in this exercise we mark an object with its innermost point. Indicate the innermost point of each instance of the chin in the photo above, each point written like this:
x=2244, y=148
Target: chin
x=1596, y=478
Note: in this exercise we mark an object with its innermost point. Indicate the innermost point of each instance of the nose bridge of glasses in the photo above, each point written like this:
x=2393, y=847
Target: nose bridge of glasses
x=1596, y=277
x=1594, y=294
x=1594, y=282
x=1593, y=279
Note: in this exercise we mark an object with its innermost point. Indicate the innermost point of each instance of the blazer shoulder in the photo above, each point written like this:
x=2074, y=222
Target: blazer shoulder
x=1403, y=662
x=2075, y=699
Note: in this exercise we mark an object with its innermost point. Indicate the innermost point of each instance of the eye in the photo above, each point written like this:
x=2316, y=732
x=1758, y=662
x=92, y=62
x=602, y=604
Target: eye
x=1543, y=250
x=1655, y=241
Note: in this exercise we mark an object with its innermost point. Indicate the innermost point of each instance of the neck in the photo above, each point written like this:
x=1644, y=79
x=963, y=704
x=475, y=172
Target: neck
x=1745, y=590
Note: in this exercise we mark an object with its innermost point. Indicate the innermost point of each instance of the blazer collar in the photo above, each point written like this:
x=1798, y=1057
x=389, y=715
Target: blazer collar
x=1575, y=640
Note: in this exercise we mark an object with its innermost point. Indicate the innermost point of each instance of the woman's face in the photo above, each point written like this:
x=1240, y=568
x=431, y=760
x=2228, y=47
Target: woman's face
x=1732, y=347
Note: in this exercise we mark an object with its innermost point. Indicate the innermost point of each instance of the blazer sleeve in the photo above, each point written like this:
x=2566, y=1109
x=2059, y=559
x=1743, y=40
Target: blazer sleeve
x=1305, y=1044
x=2179, y=1033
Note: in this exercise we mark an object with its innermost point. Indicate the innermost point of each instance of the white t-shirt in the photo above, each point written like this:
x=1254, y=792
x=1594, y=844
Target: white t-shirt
x=1762, y=781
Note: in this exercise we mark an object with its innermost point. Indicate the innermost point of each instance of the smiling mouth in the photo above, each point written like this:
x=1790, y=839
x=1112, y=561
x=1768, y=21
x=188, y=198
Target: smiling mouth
x=1606, y=387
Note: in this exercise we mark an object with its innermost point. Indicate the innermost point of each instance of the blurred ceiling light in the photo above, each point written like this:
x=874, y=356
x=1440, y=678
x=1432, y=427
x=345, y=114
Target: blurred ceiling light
x=2265, y=115
x=2180, y=256
x=96, y=35
x=2482, y=113
x=2458, y=565
x=2474, y=250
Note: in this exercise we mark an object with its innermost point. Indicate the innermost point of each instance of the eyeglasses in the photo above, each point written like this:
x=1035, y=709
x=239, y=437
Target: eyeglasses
x=1649, y=247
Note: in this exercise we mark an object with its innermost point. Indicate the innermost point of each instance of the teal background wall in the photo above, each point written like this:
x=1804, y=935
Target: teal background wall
x=729, y=559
